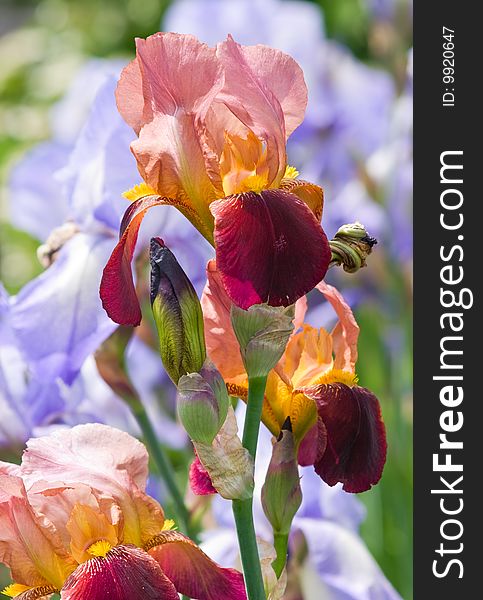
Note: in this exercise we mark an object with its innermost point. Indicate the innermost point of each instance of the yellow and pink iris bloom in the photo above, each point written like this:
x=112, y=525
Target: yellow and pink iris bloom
x=336, y=423
x=75, y=519
x=212, y=127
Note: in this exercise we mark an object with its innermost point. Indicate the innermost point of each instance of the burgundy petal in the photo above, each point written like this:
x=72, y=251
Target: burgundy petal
x=117, y=291
x=199, y=478
x=313, y=445
x=193, y=572
x=356, y=438
x=269, y=247
x=124, y=573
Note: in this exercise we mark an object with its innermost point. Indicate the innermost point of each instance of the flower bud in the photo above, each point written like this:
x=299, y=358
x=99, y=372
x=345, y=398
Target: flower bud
x=177, y=313
x=351, y=246
x=262, y=332
x=281, y=492
x=202, y=402
x=197, y=408
x=216, y=382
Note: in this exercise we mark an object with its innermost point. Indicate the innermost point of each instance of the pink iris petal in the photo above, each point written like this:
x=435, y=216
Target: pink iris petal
x=34, y=554
x=193, y=572
x=171, y=161
x=300, y=311
x=117, y=290
x=124, y=573
x=356, y=438
x=111, y=462
x=9, y=469
x=200, y=480
x=269, y=247
x=170, y=71
x=165, y=95
x=129, y=97
x=94, y=454
x=281, y=74
x=221, y=343
x=265, y=89
x=178, y=71
x=346, y=333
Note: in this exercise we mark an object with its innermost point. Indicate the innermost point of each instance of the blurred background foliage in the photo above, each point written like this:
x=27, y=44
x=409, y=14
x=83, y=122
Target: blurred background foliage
x=42, y=45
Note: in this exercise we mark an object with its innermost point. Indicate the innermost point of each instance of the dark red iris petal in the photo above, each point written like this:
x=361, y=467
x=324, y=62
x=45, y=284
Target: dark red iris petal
x=125, y=573
x=117, y=290
x=269, y=247
x=356, y=438
x=193, y=572
x=200, y=480
x=313, y=445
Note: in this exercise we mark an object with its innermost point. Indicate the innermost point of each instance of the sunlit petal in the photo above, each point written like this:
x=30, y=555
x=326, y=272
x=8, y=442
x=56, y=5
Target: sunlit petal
x=270, y=248
x=123, y=574
x=34, y=554
x=193, y=572
x=345, y=333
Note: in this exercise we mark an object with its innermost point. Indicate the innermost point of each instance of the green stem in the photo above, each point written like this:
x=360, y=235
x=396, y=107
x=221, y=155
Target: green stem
x=256, y=392
x=280, y=543
x=243, y=509
x=165, y=469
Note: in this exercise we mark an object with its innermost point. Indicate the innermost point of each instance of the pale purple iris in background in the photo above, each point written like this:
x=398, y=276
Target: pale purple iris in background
x=14, y=421
x=56, y=321
x=30, y=406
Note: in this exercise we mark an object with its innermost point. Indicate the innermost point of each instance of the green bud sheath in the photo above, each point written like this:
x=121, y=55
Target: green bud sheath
x=281, y=492
x=198, y=408
x=262, y=332
x=351, y=246
x=177, y=313
x=229, y=464
x=216, y=382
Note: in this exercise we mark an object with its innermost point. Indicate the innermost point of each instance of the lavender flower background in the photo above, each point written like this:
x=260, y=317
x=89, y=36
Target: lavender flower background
x=64, y=170
x=57, y=319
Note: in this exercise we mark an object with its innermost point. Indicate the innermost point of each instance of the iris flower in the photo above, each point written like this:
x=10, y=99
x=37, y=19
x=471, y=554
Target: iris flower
x=336, y=423
x=337, y=566
x=75, y=519
x=212, y=126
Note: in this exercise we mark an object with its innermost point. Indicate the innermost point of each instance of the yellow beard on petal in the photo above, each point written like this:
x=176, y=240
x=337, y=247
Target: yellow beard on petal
x=253, y=183
x=139, y=191
x=168, y=525
x=99, y=548
x=290, y=173
x=336, y=376
x=14, y=589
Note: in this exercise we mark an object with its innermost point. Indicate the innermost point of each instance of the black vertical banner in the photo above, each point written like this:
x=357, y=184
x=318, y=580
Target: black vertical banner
x=448, y=269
